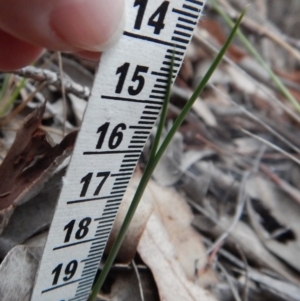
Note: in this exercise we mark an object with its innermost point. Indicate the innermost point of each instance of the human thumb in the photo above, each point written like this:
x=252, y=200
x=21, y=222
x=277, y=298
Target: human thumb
x=66, y=25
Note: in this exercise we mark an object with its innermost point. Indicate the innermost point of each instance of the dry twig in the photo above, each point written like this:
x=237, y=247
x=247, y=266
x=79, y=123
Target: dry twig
x=53, y=79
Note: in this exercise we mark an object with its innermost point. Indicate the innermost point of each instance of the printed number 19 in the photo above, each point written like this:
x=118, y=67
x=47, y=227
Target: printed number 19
x=70, y=271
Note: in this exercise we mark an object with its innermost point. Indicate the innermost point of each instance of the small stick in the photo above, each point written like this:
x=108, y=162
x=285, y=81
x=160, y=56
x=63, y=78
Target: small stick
x=139, y=280
x=53, y=79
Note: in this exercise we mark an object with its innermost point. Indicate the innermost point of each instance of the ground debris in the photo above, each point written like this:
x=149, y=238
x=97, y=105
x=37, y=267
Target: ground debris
x=29, y=163
x=220, y=219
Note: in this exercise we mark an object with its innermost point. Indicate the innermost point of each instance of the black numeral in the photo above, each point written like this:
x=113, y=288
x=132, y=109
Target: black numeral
x=141, y=11
x=56, y=273
x=122, y=70
x=157, y=18
x=70, y=271
x=115, y=137
x=137, y=77
x=102, y=130
x=69, y=227
x=87, y=180
x=104, y=175
x=83, y=228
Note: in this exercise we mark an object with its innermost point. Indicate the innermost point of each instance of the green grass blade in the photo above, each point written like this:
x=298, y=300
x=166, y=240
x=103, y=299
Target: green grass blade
x=13, y=97
x=282, y=88
x=163, y=114
x=196, y=93
x=4, y=86
x=135, y=202
x=153, y=163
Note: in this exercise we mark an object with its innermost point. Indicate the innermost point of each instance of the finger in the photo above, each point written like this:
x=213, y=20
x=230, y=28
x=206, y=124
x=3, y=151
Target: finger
x=15, y=53
x=89, y=55
x=64, y=24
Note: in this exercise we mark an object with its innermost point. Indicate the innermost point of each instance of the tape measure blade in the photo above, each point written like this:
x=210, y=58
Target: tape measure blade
x=126, y=99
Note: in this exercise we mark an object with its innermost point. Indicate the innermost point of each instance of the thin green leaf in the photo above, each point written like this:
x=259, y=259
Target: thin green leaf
x=4, y=86
x=282, y=88
x=153, y=163
x=13, y=97
x=196, y=93
x=163, y=114
x=117, y=244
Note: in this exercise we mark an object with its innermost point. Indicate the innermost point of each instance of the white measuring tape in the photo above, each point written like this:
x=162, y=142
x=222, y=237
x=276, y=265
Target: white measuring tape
x=128, y=94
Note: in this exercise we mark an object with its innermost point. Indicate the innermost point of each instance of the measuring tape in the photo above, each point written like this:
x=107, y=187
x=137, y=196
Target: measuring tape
x=126, y=99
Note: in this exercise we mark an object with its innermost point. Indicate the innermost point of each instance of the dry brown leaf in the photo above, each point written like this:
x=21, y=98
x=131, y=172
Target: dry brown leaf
x=247, y=145
x=168, y=172
x=287, y=290
x=32, y=217
x=22, y=261
x=137, y=226
x=199, y=106
x=19, y=261
x=216, y=31
x=124, y=285
x=160, y=255
x=177, y=218
x=173, y=249
x=29, y=163
x=285, y=211
x=245, y=84
x=243, y=236
x=168, y=239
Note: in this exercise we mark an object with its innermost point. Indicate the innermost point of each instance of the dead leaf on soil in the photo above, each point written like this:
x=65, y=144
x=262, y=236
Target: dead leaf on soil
x=161, y=257
x=32, y=217
x=137, y=226
x=22, y=261
x=284, y=289
x=243, y=236
x=273, y=204
x=29, y=163
x=125, y=285
x=173, y=249
x=168, y=171
x=168, y=244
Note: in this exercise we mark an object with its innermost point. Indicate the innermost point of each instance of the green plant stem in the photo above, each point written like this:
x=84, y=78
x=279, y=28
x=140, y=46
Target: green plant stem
x=4, y=86
x=140, y=190
x=282, y=88
x=152, y=164
x=163, y=114
x=13, y=97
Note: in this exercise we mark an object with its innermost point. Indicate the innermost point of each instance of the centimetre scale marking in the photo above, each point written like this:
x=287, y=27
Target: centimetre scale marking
x=126, y=99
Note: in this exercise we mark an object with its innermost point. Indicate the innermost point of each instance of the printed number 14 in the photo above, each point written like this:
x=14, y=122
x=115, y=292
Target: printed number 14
x=157, y=18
